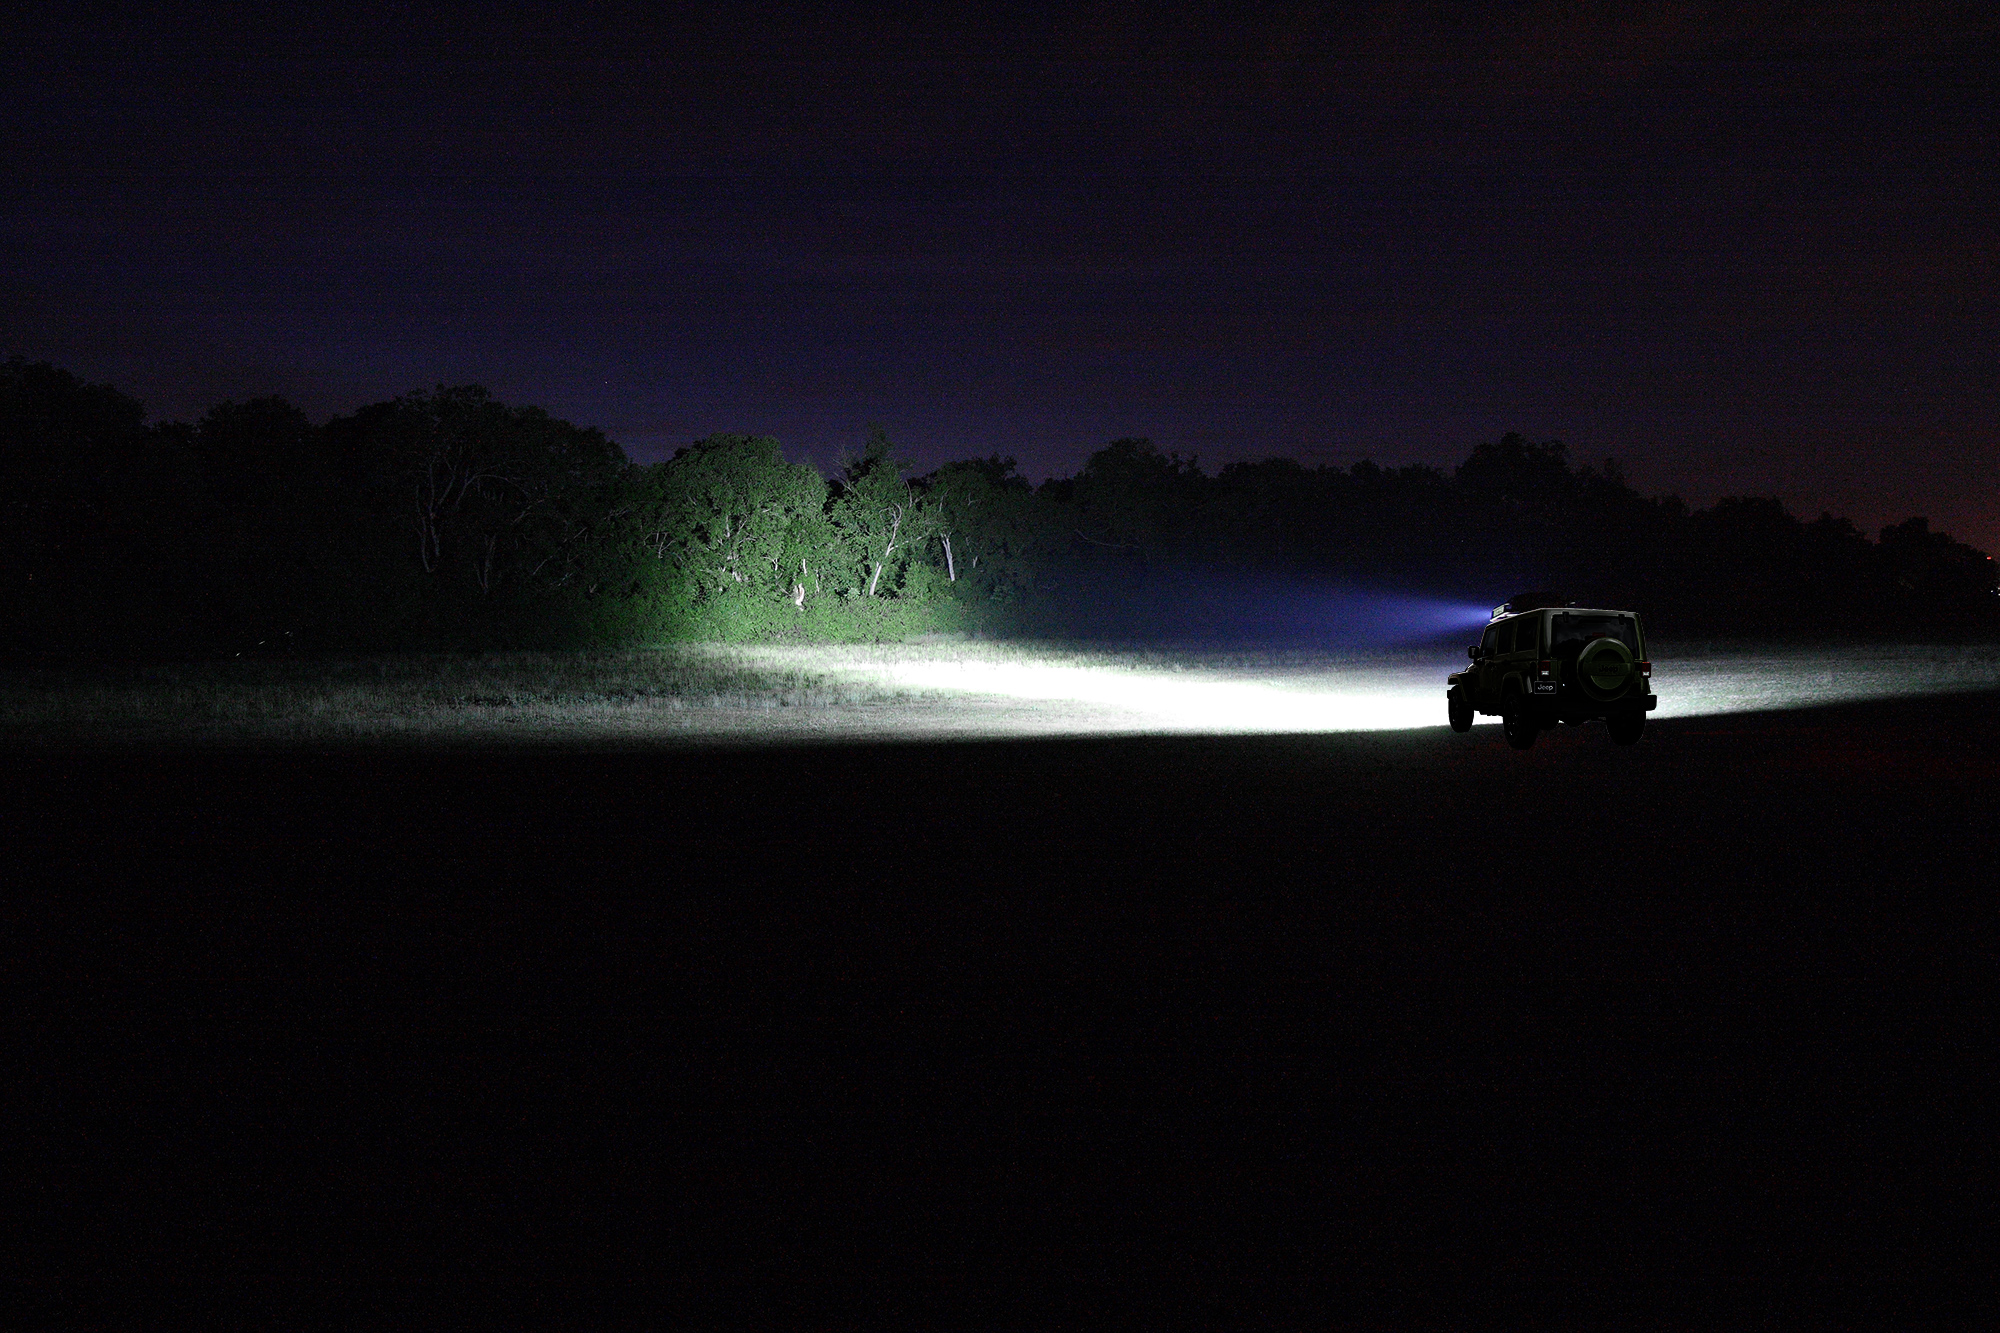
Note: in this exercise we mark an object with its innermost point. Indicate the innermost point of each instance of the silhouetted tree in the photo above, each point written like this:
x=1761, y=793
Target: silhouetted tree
x=1930, y=569
x=1131, y=496
x=105, y=521
x=992, y=533
x=491, y=491
x=1514, y=469
x=450, y=519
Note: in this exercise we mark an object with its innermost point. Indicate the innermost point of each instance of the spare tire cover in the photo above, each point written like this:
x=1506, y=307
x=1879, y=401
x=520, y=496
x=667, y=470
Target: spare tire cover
x=1604, y=668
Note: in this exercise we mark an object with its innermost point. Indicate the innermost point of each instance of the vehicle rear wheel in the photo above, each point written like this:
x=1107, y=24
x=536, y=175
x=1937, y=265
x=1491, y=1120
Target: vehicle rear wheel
x=1626, y=728
x=1458, y=710
x=1518, y=724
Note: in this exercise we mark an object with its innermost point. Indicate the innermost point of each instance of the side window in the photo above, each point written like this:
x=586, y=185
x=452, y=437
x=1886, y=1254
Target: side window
x=1490, y=643
x=1527, y=638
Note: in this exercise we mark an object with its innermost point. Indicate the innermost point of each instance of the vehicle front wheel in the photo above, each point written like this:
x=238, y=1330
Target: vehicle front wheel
x=1626, y=728
x=1458, y=710
x=1518, y=724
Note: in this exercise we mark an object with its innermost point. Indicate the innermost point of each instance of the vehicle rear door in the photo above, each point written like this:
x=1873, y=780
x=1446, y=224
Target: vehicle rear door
x=1502, y=660
x=1528, y=648
x=1486, y=671
x=1518, y=642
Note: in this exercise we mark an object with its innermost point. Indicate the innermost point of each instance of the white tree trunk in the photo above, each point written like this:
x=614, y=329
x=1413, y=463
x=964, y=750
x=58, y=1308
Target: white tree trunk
x=888, y=549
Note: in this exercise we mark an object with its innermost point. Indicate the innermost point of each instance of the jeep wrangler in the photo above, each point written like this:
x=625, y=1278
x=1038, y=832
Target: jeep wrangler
x=1541, y=662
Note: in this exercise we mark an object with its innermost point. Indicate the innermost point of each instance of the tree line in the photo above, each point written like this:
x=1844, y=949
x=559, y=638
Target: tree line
x=448, y=519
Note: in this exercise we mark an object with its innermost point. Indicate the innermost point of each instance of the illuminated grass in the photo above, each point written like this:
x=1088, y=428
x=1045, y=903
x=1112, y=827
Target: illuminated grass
x=1159, y=690
x=1703, y=679
x=731, y=695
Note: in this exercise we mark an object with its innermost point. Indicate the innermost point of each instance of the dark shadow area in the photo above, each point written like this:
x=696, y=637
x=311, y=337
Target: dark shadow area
x=1395, y=1024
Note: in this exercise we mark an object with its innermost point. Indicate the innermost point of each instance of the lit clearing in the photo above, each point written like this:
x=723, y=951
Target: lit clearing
x=746, y=695
x=1069, y=692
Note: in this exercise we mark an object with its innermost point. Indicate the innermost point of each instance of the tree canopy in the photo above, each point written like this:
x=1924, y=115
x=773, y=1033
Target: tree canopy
x=450, y=519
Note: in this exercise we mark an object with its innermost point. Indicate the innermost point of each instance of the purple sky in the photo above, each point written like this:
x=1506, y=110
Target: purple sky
x=1744, y=251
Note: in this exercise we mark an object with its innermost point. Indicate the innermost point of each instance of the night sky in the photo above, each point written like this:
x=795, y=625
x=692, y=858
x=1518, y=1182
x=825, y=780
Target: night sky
x=1745, y=250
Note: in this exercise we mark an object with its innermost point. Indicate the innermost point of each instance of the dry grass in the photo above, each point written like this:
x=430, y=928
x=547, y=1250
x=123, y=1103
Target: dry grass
x=408, y=697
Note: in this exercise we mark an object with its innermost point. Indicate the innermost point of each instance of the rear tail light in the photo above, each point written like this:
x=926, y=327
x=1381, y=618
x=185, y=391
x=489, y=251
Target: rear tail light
x=1546, y=668
x=1646, y=669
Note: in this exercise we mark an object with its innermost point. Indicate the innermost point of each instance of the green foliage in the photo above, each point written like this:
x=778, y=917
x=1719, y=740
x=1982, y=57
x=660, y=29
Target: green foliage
x=882, y=521
x=752, y=548
x=741, y=617
x=733, y=516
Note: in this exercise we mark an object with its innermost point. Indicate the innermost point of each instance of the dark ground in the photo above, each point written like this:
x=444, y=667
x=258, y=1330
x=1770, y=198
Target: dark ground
x=1391, y=1029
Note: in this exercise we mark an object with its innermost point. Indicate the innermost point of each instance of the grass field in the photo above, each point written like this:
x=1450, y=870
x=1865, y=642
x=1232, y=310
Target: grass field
x=731, y=694
x=406, y=697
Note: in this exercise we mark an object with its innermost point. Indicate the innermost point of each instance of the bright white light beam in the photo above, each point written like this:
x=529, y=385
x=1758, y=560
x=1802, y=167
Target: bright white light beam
x=1408, y=692
x=1164, y=701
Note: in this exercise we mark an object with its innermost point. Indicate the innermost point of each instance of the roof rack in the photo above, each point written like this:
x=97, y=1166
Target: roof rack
x=1530, y=601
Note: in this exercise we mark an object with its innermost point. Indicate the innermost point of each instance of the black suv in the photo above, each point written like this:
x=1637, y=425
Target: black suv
x=1541, y=662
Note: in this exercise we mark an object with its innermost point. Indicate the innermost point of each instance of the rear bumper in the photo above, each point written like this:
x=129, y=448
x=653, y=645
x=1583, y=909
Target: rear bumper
x=1572, y=706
